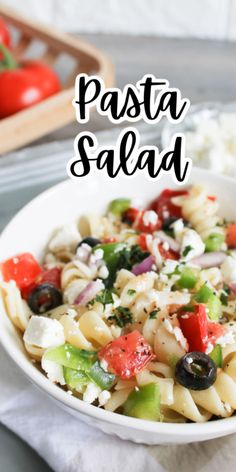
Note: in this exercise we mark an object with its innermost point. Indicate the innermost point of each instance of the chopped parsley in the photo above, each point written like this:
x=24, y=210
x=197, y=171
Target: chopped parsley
x=105, y=297
x=126, y=258
x=122, y=316
x=131, y=292
x=131, y=256
x=153, y=314
x=187, y=250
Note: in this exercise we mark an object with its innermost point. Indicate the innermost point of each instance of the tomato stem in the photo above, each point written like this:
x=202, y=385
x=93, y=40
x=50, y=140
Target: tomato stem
x=8, y=62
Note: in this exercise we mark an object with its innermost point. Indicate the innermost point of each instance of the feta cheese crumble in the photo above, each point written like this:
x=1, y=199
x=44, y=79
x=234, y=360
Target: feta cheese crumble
x=54, y=371
x=103, y=397
x=91, y=393
x=150, y=217
x=44, y=332
x=228, y=270
x=191, y=244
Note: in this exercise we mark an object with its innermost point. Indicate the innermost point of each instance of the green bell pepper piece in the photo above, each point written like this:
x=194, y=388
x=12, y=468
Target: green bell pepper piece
x=214, y=242
x=75, y=378
x=217, y=356
x=206, y=295
x=101, y=378
x=72, y=357
x=119, y=206
x=203, y=294
x=188, y=278
x=144, y=403
x=111, y=256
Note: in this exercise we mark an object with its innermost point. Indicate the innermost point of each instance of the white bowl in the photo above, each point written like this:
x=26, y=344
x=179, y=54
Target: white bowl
x=30, y=230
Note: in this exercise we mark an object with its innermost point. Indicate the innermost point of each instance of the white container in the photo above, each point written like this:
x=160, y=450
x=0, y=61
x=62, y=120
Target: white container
x=30, y=230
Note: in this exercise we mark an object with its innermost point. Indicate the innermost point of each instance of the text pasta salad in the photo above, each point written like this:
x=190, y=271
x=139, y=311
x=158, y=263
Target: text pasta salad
x=135, y=311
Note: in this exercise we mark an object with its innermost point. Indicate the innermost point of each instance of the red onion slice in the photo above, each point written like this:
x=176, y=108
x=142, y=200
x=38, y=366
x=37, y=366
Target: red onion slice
x=174, y=245
x=89, y=292
x=209, y=259
x=144, y=266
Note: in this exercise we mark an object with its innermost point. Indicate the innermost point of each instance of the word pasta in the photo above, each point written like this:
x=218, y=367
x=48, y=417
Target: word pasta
x=132, y=103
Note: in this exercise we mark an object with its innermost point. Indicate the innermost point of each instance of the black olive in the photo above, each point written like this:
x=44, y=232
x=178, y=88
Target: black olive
x=90, y=241
x=44, y=297
x=196, y=371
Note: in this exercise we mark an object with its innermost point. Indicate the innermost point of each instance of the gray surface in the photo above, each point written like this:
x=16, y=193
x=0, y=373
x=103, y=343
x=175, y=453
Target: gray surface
x=16, y=456
x=202, y=69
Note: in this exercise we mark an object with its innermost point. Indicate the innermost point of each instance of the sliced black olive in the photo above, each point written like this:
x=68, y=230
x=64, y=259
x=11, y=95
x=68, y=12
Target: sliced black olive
x=90, y=241
x=196, y=371
x=44, y=297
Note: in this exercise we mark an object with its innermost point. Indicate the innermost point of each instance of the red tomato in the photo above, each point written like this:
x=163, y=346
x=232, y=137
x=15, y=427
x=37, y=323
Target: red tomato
x=127, y=355
x=142, y=241
x=215, y=331
x=131, y=214
x=212, y=198
x=24, y=86
x=5, y=37
x=194, y=326
x=111, y=239
x=22, y=268
x=163, y=205
x=137, y=217
x=51, y=276
x=231, y=235
x=168, y=253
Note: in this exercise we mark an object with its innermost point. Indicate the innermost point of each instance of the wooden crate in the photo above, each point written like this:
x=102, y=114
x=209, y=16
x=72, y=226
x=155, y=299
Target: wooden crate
x=56, y=111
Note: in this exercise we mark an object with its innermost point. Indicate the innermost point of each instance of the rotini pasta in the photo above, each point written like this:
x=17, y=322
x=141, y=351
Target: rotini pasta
x=135, y=311
x=200, y=211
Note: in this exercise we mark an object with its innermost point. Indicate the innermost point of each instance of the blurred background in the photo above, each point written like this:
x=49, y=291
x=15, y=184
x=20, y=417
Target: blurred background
x=213, y=19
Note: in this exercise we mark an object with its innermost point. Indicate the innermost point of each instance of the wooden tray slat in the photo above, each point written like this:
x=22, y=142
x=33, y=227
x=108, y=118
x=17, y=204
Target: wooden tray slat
x=56, y=111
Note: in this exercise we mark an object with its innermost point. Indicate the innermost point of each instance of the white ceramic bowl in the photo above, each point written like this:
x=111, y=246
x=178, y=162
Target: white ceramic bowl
x=30, y=230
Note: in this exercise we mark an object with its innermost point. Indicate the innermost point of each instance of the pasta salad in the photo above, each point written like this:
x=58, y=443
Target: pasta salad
x=134, y=311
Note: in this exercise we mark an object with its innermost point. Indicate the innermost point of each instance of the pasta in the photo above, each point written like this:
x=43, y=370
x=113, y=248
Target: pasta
x=135, y=311
x=200, y=211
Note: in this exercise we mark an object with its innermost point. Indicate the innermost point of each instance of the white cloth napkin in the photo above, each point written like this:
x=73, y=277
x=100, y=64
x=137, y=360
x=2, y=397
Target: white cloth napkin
x=69, y=445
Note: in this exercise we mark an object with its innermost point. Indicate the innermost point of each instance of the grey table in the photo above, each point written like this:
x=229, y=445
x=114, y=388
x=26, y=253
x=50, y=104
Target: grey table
x=203, y=70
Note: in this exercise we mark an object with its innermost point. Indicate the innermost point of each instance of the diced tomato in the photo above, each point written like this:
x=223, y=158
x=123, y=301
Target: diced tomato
x=212, y=198
x=51, y=276
x=215, y=331
x=168, y=253
x=163, y=205
x=165, y=253
x=198, y=330
x=111, y=239
x=22, y=268
x=194, y=326
x=141, y=225
x=142, y=241
x=231, y=235
x=131, y=214
x=127, y=355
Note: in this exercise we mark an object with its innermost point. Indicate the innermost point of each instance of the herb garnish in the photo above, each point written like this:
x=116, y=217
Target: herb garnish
x=105, y=297
x=131, y=292
x=187, y=250
x=153, y=314
x=122, y=316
